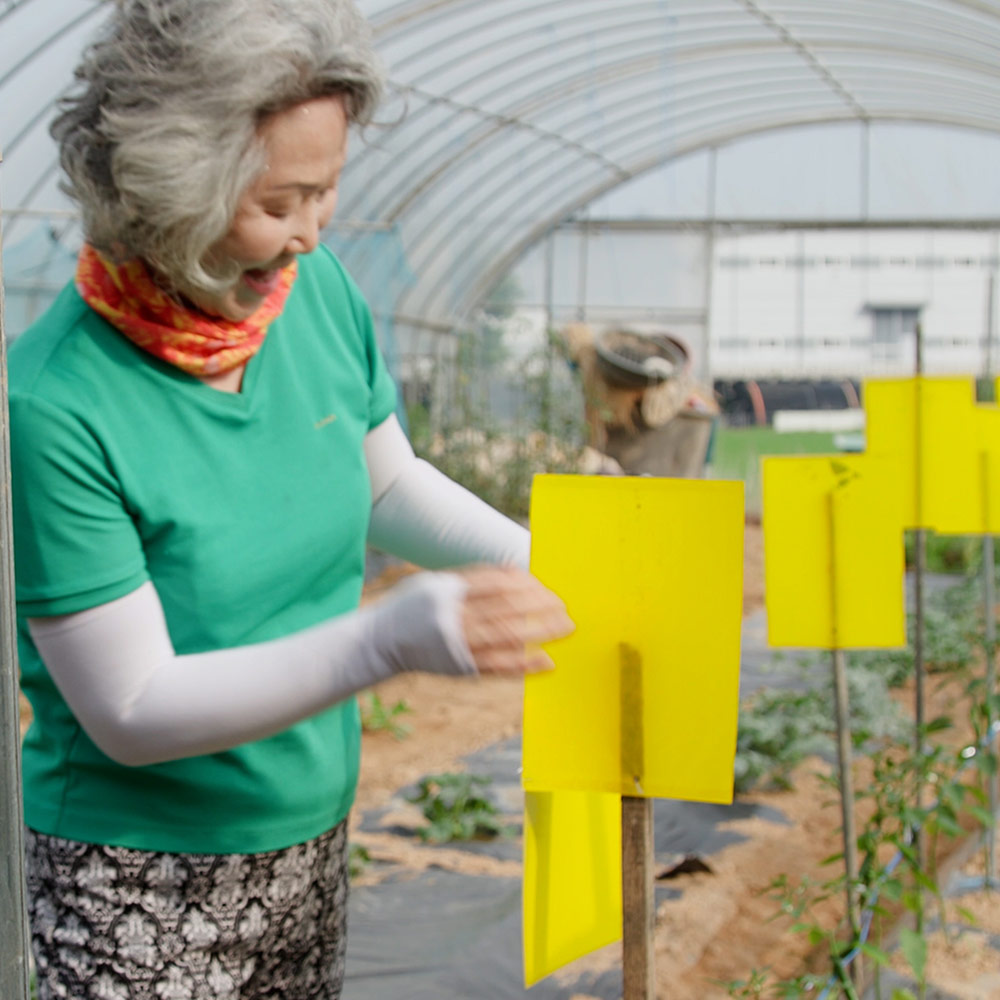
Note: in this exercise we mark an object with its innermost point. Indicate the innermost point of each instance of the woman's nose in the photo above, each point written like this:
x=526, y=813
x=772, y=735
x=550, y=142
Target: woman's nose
x=305, y=236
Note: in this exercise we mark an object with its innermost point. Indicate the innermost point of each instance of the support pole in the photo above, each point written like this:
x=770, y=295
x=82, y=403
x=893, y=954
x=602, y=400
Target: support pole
x=990, y=607
x=13, y=919
x=845, y=750
x=990, y=630
x=845, y=761
x=919, y=572
x=638, y=908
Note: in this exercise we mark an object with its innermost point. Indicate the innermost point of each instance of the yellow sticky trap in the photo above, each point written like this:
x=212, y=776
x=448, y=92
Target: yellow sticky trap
x=833, y=552
x=651, y=572
x=927, y=425
x=572, y=878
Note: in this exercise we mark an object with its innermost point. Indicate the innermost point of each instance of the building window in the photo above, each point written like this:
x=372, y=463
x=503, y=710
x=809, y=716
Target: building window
x=891, y=324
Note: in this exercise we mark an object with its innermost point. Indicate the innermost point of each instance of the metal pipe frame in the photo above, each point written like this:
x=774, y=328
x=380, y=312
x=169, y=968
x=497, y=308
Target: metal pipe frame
x=61, y=30
x=937, y=28
x=13, y=894
x=944, y=118
x=505, y=258
x=609, y=75
x=492, y=248
x=509, y=175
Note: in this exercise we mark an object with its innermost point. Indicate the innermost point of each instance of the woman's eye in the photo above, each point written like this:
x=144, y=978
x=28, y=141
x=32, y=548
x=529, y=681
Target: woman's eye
x=277, y=213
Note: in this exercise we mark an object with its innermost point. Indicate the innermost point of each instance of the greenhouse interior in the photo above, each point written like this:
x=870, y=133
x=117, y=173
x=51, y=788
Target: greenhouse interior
x=651, y=243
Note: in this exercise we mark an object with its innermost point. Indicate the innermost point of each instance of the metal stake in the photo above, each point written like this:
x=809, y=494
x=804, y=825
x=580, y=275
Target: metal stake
x=844, y=761
x=919, y=571
x=13, y=917
x=990, y=629
x=845, y=756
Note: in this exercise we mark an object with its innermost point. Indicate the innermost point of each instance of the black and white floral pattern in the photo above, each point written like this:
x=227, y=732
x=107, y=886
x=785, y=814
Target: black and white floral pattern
x=114, y=923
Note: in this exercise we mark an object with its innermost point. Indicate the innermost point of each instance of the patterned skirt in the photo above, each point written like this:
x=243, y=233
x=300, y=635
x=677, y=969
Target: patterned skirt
x=113, y=923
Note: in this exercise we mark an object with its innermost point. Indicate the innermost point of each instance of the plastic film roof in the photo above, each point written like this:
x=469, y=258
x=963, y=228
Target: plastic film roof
x=507, y=116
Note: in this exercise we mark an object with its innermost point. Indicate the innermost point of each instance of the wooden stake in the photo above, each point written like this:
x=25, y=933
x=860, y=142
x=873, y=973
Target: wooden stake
x=638, y=909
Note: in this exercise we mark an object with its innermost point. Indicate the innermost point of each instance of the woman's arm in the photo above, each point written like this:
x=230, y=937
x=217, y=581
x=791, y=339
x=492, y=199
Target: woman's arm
x=141, y=703
x=421, y=515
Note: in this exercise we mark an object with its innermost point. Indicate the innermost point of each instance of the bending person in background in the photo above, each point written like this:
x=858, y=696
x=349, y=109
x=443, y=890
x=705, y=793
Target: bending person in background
x=202, y=440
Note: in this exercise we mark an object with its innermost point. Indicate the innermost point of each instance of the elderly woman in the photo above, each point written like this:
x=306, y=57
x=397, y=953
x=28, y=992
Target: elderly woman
x=203, y=438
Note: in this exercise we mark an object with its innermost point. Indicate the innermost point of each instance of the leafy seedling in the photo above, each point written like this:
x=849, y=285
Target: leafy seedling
x=456, y=808
x=358, y=859
x=377, y=717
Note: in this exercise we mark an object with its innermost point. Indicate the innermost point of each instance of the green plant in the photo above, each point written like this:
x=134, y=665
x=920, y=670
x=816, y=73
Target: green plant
x=456, y=808
x=498, y=419
x=376, y=716
x=915, y=799
x=893, y=816
x=948, y=639
x=777, y=730
x=358, y=859
x=760, y=986
x=947, y=553
x=781, y=727
x=894, y=666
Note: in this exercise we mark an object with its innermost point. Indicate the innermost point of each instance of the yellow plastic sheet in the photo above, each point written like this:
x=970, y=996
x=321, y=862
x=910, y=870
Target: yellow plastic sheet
x=651, y=572
x=572, y=878
x=938, y=454
x=833, y=552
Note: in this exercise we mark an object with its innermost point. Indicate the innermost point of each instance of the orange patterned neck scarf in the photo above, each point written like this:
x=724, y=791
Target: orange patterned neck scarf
x=128, y=298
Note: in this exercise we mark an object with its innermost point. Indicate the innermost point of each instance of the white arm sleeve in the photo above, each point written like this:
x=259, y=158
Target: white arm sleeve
x=141, y=703
x=421, y=515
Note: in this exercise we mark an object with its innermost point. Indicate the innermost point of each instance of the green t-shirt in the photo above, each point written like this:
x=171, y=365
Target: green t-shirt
x=247, y=511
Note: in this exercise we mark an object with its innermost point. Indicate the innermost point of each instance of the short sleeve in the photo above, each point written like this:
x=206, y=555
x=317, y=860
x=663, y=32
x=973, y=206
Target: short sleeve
x=383, y=398
x=75, y=544
x=383, y=388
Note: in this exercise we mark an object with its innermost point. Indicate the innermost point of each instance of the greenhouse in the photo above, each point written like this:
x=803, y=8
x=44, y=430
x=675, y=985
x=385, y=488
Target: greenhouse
x=656, y=248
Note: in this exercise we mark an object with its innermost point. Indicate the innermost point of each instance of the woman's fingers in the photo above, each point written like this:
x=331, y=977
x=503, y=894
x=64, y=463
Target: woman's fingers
x=506, y=613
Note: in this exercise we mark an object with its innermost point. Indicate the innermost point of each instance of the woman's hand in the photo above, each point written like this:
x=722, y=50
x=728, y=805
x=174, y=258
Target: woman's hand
x=505, y=614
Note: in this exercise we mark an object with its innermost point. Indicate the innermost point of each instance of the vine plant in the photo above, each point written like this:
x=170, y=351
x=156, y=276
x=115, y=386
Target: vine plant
x=896, y=876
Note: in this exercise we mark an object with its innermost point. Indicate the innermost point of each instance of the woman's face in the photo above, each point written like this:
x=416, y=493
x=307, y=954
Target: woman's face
x=281, y=213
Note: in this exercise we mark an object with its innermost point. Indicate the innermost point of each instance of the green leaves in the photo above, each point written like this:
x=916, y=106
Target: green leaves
x=456, y=809
x=378, y=717
x=914, y=949
x=358, y=859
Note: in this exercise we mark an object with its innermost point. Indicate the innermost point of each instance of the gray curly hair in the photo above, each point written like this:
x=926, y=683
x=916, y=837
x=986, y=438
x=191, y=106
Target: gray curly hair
x=160, y=137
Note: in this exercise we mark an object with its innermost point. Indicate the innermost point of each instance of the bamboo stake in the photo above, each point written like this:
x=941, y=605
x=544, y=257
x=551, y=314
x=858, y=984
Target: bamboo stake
x=13, y=919
x=638, y=909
